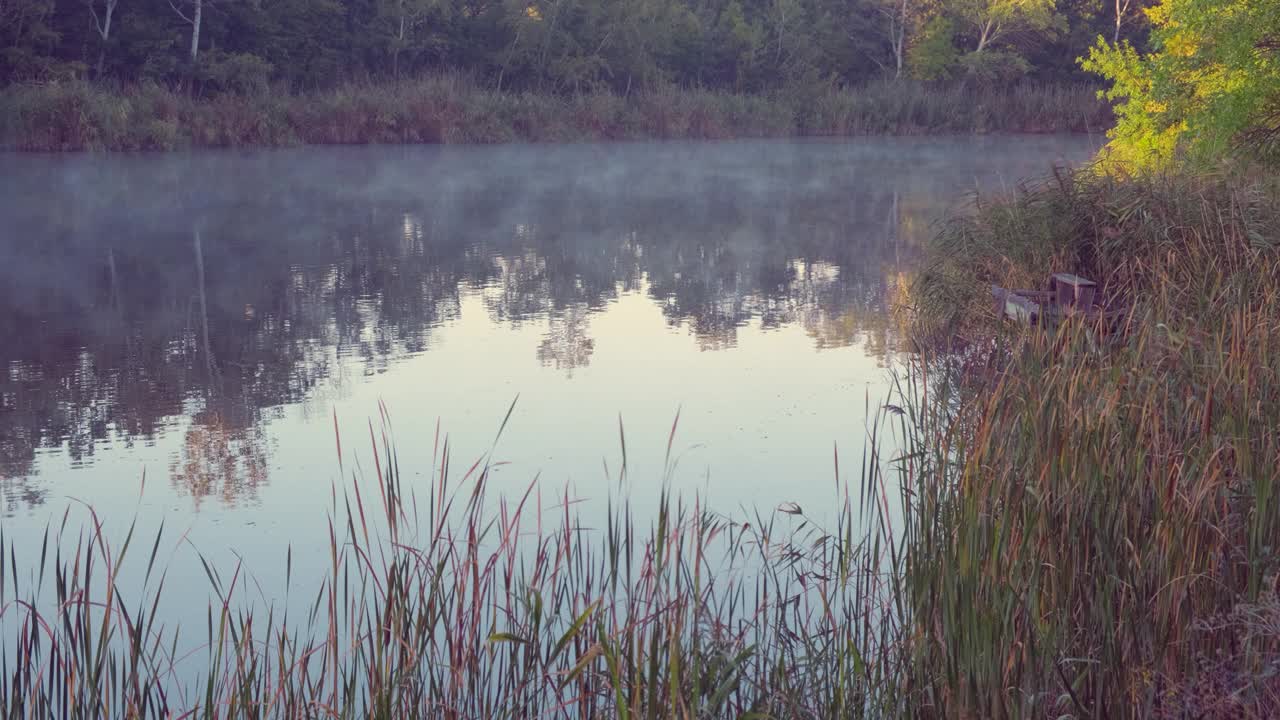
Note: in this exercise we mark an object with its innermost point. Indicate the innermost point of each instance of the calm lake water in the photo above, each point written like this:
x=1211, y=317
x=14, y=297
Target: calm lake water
x=202, y=319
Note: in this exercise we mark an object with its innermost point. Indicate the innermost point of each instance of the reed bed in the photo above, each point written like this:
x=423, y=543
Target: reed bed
x=443, y=602
x=455, y=109
x=1106, y=538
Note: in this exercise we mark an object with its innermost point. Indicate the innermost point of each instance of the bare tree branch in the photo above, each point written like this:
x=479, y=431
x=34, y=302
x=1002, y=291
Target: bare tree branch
x=179, y=12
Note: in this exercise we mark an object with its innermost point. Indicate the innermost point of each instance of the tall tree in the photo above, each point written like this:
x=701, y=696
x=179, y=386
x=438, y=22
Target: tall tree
x=989, y=21
x=404, y=18
x=102, y=24
x=1121, y=14
x=193, y=16
x=1211, y=83
x=25, y=37
x=897, y=17
x=556, y=45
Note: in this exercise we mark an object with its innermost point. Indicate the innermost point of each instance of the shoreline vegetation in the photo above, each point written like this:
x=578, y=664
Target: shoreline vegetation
x=1112, y=526
x=452, y=109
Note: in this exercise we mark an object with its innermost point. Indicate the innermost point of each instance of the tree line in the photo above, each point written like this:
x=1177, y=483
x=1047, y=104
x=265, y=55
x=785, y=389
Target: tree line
x=555, y=45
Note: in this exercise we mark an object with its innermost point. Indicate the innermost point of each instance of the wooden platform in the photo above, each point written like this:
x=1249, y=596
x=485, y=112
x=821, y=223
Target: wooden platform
x=1068, y=296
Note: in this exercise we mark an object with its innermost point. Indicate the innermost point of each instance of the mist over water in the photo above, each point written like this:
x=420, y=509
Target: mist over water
x=203, y=318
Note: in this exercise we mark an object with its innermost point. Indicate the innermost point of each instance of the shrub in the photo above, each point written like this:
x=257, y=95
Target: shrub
x=243, y=73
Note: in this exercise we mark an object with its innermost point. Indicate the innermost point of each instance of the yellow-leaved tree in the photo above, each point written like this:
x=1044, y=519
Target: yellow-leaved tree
x=1209, y=87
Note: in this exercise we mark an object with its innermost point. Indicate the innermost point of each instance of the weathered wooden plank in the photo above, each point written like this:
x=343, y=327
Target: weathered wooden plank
x=1071, y=279
x=1072, y=290
x=1068, y=295
x=1021, y=309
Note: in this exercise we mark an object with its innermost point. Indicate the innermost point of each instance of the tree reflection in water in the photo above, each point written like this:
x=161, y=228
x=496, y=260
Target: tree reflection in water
x=566, y=345
x=201, y=291
x=220, y=459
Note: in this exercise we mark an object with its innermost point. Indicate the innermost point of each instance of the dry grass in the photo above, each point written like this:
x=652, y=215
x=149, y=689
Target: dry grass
x=1108, y=529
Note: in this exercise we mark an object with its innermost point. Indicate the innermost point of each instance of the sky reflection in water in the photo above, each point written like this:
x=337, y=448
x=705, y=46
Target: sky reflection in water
x=203, y=317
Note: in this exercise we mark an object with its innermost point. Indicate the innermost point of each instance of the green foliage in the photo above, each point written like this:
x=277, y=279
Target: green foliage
x=1211, y=84
x=28, y=35
x=983, y=39
x=562, y=46
x=242, y=73
x=933, y=56
x=988, y=22
x=994, y=66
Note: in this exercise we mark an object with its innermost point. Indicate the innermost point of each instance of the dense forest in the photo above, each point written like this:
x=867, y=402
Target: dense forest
x=568, y=46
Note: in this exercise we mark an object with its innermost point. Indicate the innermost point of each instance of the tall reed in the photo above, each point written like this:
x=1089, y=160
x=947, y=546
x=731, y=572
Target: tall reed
x=455, y=109
x=442, y=601
x=1105, y=539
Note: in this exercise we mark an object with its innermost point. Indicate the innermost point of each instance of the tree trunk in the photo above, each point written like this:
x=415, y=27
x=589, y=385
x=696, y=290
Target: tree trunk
x=546, y=44
x=986, y=35
x=900, y=41
x=103, y=27
x=782, y=30
x=197, y=11
x=395, y=55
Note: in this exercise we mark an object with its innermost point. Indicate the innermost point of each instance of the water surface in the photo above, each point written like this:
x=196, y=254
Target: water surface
x=201, y=320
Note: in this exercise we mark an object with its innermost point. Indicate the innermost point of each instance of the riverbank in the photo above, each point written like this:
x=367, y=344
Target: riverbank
x=1105, y=524
x=452, y=109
